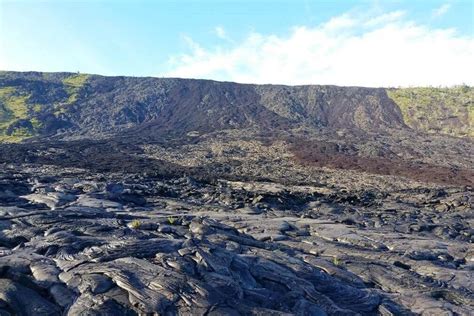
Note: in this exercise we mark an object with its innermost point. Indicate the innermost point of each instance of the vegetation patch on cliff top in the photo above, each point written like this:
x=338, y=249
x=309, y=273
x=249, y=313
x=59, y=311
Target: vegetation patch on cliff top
x=73, y=84
x=437, y=110
x=15, y=124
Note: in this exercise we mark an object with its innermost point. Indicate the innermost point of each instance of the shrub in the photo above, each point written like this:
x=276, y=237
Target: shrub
x=135, y=224
x=171, y=220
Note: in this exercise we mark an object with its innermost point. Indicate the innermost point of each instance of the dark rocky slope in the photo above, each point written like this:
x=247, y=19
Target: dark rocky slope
x=338, y=127
x=76, y=105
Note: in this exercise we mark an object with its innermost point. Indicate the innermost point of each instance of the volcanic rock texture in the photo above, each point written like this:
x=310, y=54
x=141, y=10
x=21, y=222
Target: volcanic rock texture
x=145, y=196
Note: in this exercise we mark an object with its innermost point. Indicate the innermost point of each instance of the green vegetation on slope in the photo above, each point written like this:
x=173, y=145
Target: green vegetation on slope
x=13, y=107
x=437, y=110
x=19, y=117
x=73, y=85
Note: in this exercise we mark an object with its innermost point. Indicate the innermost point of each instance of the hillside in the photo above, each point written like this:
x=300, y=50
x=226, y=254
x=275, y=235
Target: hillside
x=437, y=110
x=69, y=105
x=144, y=196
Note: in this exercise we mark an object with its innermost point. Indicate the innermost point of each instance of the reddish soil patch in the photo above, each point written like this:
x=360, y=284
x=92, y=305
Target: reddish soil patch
x=323, y=154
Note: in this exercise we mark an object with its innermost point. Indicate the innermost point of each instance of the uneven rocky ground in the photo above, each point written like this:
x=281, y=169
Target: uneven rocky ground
x=161, y=196
x=76, y=242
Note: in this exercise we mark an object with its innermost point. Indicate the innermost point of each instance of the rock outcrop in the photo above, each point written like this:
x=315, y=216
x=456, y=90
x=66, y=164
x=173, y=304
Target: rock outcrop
x=68, y=105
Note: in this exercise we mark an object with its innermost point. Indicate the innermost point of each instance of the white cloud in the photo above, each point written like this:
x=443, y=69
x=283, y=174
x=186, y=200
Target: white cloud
x=441, y=10
x=347, y=50
x=340, y=22
x=385, y=18
x=220, y=32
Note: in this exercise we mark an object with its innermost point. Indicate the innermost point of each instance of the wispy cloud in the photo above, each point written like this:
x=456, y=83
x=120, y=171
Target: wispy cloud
x=440, y=11
x=385, y=18
x=388, y=50
x=220, y=32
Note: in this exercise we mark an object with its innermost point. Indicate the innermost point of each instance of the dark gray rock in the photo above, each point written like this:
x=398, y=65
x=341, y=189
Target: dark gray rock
x=24, y=301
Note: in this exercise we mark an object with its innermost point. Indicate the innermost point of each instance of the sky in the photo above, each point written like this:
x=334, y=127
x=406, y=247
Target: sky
x=347, y=42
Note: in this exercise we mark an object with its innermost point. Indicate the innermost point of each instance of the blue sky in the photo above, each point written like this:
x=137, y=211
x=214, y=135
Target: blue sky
x=291, y=42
